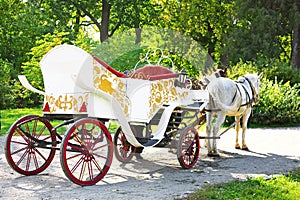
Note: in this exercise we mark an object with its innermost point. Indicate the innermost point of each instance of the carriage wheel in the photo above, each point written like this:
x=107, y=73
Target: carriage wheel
x=124, y=151
x=27, y=145
x=188, y=148
x=86, y=152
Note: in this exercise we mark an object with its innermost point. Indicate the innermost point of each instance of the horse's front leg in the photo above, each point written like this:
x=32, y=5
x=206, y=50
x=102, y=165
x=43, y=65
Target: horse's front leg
x=208, y=131
x=237, y=129
x=216, y=128
x=244, y=127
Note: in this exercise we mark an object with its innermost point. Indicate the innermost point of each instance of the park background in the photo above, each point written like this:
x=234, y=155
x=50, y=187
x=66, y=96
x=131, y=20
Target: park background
x=243, y=35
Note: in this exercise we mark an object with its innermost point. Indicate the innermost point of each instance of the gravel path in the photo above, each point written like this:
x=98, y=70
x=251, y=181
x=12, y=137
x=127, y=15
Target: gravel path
x=158, y=175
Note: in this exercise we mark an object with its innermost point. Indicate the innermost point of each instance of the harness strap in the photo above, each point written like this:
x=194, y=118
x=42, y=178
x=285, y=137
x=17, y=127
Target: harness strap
x=249, y=100
x=238, y=89
x=252, y=89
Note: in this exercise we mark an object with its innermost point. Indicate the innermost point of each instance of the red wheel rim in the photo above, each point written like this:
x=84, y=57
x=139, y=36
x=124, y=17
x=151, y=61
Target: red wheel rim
x=25, y=154
x=124, y=151
x=188, y=148
x=86, y=152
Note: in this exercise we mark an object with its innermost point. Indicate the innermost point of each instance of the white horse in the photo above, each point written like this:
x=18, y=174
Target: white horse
x=232, y=98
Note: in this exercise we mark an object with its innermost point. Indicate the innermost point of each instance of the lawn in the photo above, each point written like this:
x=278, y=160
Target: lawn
x=8, y=117
x=280, y=187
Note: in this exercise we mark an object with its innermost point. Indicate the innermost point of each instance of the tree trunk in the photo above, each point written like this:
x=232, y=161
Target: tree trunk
x=295, y=57
x=103, y=27
x=104, y=21
x=138, y=35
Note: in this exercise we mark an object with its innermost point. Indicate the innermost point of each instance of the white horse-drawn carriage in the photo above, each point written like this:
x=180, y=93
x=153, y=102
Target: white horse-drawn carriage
x=153, y=105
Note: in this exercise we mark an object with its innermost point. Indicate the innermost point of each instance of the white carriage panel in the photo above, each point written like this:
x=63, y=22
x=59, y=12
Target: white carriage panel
x=199, y=95
x=138, y=92
x=100, y=107
x=196, y=99
x=107, y=85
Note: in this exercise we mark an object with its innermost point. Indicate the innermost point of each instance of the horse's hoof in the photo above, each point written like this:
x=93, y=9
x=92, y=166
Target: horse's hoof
x=237, y=147
x=213, y=154
x=245, y=149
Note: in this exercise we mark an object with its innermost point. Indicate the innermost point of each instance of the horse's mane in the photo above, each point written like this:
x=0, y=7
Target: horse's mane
x=209, y=75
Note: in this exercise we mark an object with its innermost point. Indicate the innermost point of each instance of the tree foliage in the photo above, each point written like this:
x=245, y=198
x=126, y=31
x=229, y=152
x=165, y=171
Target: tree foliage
x=204, y=21
x=260, y=29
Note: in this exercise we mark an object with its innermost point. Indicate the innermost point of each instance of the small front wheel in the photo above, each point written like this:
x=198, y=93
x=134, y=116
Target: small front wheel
x=188, y=148
x=124, y=151
x=86, y=152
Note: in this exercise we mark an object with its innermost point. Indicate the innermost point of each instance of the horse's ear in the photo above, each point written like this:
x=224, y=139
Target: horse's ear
x=225, y=70
x=260, y=75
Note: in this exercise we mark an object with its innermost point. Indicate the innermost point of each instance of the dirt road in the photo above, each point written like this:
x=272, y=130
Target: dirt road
x=158, y=175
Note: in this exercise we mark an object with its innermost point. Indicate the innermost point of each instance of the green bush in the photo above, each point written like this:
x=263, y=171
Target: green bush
x=270, y=68
x=283, y=71
x=279, y=103
x=5, y=88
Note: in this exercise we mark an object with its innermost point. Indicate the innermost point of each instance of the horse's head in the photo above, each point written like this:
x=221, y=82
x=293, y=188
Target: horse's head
x=254, y=81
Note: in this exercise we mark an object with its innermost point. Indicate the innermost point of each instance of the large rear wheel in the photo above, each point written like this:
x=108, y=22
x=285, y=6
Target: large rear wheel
x=188, y=148
x=28, y=145
x=86, y=152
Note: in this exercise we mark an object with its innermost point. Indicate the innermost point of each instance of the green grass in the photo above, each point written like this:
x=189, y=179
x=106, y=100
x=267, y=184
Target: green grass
x=8, y=117
x=280, y=187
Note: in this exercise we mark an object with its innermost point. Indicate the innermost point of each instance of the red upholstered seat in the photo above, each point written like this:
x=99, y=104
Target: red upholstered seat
x=150, y=72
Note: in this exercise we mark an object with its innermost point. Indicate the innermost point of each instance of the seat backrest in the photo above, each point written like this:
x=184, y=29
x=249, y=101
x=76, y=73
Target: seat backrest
x=58, y=66
x=149, y=71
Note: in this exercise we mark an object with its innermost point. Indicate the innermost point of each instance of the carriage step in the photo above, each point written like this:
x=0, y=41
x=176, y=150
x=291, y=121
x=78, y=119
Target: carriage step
x=147, y=142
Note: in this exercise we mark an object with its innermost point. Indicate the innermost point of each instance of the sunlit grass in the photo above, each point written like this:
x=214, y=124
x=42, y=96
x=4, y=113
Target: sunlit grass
x=280, y=187
x=9, y=116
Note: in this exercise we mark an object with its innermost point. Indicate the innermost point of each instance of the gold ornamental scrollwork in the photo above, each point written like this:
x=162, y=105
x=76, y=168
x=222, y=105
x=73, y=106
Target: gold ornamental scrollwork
x=66, y=102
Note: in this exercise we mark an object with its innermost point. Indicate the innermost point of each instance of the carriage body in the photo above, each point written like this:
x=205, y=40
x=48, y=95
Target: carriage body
x=85, y=92
x=77, y=83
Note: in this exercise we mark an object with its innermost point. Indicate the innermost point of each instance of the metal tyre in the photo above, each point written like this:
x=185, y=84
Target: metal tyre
x=188, y=148
x=124, y=151
x=27, y=146
x=86, y=152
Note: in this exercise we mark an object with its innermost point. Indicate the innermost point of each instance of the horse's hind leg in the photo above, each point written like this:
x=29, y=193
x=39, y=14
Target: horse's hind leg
x=237, y=128
x=244, y=127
